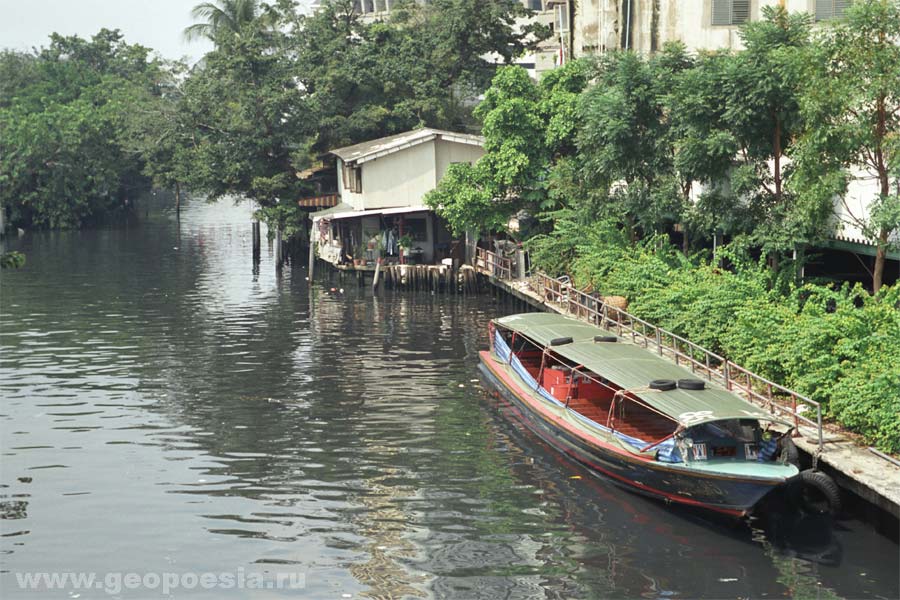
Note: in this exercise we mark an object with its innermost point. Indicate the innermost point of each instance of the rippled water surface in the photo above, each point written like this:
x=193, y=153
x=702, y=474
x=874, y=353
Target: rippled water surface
x=167, y=409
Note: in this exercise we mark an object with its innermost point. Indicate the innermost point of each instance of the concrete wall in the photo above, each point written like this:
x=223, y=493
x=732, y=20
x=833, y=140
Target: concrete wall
x=603, y=24
x=862, y=190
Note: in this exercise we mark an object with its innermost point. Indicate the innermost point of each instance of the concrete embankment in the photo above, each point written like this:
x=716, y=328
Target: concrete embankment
x=856, y=469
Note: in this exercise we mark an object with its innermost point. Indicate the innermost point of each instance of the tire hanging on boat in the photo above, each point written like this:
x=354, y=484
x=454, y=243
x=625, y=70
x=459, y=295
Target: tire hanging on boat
x=820, y=494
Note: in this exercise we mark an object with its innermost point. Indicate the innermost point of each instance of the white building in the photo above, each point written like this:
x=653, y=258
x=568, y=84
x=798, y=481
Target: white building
x=381, y=188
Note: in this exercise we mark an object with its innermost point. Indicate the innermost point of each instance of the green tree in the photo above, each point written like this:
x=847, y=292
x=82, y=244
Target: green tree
x=851, y=101
x=422, y=67
x=62, y=159
x=625, y=141
x=161, y=134
x=250, y=119
x=225, y=15
x=735, y=116
x=527, y=126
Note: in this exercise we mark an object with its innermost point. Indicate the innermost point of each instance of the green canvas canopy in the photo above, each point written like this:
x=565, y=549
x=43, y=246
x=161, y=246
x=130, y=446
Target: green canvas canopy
x=633, y=368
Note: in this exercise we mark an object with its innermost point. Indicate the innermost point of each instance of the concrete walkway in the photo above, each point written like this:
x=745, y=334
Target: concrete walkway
x=853, y=467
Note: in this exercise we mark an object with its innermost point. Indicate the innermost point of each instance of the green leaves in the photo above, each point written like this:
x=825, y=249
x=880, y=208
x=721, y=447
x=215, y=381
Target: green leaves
x=837, y=345
x=64, y=161
x=525, y=125
x=12, y=260
x=467, y=199
x=851, y=99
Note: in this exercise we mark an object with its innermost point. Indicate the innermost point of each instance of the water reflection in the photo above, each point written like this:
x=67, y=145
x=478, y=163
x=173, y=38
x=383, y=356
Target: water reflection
x=167, y=408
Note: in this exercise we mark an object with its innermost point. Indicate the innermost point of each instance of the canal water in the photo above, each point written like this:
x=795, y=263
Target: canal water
x=170, y=412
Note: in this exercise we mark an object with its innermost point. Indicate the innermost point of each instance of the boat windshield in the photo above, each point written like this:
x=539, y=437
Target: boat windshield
x=739, y=430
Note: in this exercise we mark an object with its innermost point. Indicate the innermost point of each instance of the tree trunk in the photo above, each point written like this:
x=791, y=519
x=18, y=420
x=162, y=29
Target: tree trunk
x=880, y=254
x=884, y=189
x=777, y=152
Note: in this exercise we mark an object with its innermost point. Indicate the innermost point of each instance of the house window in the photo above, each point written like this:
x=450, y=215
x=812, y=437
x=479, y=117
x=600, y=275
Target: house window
x=561, y=18
x=730, y=12
x=355, y=177
x=352, y=179
x=534, y=5
x=830, y=9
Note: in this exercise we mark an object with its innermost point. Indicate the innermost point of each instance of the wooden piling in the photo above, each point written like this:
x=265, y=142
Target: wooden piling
x=254, y=235
x=312, y=257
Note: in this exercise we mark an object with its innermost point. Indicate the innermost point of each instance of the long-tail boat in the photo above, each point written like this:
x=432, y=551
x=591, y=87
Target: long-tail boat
x=637, y=418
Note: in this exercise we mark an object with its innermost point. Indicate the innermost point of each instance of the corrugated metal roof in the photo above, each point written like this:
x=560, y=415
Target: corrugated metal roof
x=374, y=148
x=348, y=212
x=632, y=368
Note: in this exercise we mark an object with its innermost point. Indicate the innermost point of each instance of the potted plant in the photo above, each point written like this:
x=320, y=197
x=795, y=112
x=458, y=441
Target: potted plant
x=359, y=256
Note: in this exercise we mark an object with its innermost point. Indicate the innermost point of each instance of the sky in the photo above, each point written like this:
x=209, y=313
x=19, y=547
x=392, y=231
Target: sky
x=158, y=24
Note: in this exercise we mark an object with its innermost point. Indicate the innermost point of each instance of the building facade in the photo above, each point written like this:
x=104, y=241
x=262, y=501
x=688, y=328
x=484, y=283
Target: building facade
x=645, y=25
x=381, y=187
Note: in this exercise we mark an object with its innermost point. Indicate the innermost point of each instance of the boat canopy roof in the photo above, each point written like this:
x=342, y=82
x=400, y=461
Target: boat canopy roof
x=633, y=368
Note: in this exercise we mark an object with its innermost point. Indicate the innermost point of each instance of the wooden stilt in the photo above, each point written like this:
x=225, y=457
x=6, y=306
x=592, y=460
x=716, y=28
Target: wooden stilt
x=255, y=240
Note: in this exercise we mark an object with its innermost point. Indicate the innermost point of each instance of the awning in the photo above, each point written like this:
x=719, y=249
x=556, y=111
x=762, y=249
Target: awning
x=632, y=368
x=346, y=214
x=326, y=201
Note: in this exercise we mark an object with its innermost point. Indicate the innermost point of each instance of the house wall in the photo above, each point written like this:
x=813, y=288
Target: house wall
x=403, y=178
x=448, y=153
x=398, y=179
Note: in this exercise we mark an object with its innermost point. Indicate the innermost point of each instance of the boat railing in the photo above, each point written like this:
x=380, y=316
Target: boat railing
x=777, y=399
x=491, y=263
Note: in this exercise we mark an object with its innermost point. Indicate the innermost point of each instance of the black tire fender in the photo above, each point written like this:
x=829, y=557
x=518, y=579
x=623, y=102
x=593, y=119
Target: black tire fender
x=662, y=385
x=820, y=494
x=605, y=338
x=560, y=341
x=691, y=384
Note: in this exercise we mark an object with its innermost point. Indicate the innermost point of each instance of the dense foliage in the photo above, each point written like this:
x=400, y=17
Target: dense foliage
x=64, y=158
x=86, y=126
x=836, y=344
x=750, y=146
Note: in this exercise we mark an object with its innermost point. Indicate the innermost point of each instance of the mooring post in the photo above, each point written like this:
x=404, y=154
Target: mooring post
x=312, y=257
x=255, y=240
x=377, y=273
x=279, y=250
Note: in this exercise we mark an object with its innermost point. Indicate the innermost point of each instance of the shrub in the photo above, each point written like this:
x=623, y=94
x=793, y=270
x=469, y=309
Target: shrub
x=839, y=346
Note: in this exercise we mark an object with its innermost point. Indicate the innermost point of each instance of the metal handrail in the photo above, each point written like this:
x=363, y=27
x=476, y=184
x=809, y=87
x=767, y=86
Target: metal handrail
x=754, y=388
x=491, y=263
